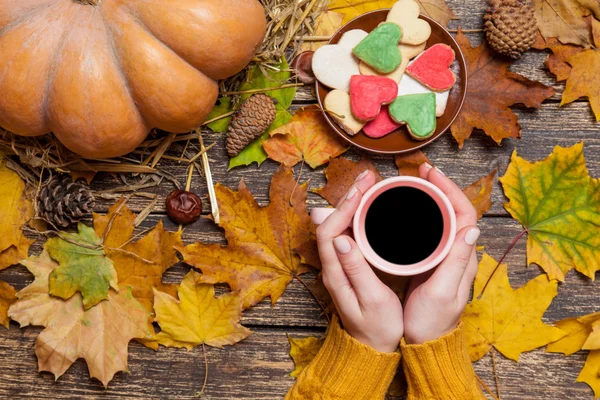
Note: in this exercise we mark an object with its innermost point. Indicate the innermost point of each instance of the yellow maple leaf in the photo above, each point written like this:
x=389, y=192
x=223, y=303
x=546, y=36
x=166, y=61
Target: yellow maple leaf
x=259, y=260
x=100, y=335
x=15, y=210
x=584, y=80
x=508, y=319
x=326, y=24
x=590, y=373
x=558, y=204
x=7, y=297
x=303, y=351
x=200, y=317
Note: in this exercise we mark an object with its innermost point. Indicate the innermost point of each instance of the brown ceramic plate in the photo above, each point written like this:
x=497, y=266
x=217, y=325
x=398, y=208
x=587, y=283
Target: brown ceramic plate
x=400, y=141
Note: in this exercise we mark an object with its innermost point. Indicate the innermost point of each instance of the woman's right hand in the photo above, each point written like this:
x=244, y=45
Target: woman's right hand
x=370, y=311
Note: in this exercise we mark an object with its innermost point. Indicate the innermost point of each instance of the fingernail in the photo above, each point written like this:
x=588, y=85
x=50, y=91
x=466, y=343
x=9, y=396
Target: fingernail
x=427, y=165
x=351, y=193
x=342, y=245
x=472, y=236
x=440, y=171
x=362, y=175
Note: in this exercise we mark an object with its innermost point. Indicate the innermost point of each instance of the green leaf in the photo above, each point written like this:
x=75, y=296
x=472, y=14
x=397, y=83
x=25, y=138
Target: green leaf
x=222, y=107
x=257, y=80
x=83, y=267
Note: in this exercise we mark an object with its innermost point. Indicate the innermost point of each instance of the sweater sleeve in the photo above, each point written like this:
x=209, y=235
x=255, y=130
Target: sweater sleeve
x=344, y=369
x=440, y=369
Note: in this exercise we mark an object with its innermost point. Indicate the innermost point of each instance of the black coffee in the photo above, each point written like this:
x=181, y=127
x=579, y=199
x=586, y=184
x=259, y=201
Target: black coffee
x=404, y=225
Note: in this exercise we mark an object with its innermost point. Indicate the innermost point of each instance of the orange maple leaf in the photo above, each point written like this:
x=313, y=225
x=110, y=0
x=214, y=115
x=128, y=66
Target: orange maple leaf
x=492, y=90
x=306, y=137
x=7, y=297
x=259, y=260
x=557, y=61
x=408, y=163
x=480, y=193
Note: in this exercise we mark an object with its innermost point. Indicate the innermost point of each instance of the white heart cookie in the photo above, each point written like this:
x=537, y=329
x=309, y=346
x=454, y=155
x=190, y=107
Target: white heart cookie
x=406, y=14
x=408, y=85
x=408, y=51
x=338, y=102
x=334, y=64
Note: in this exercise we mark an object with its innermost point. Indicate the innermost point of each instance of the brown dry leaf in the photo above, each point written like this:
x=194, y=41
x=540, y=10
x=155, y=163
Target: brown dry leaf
x=437, y=10
x=408, y=163
x=557, y=61
x=564, y=19
x=15, y=210
x=7, y=297
x=132, y=266
x=200, y=317
x=584, y=80
x=259, y=260
x=327, y=23
x=99, y=335
x=480, y=193
x=303, y=351
x=306, y=137
x=341, y=174
x=492, y=90
x=508, y=319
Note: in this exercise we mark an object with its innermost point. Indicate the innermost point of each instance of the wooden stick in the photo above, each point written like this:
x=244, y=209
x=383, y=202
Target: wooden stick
x=210, y=121
x=313, y=38
x=289, y=85
x=197, y=156
x=495, y=372
x=214, y=205
x=292, y=33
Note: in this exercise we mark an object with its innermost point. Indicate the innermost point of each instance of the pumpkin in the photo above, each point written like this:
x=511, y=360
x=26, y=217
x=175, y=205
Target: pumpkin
x=101, y=74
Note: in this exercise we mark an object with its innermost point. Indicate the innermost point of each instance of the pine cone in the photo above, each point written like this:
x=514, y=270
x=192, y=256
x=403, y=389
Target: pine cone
x=510, y=26
x=62, y=202
x=249, y=122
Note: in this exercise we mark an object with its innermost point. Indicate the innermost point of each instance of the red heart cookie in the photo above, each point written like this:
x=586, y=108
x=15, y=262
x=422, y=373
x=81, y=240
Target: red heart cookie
x=368, y=93
x=431, y=68
x=381, y=126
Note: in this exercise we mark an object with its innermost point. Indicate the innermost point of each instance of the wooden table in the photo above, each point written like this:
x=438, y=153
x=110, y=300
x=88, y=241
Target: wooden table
x=258, y=367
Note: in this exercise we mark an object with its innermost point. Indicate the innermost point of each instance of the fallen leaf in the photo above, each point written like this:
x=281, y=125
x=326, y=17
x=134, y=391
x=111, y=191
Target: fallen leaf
x=492, y=90
x=15, y=210
x=303, y=351
x=341, y=174
x=259, y=260
x=584, y=80
x=508, y=319
x=99, y=335
x=435, y=9
x=558, y=205
x=88, y=176
x=408, y=163
x=326, y=24
x=590, y=373
x=306, y=137
x=7, y=297
x=480, y=193
x=139, y=264
x=564, y=19
x=557, y=61
x=83, y=267
x=222, y=107
x=577, y=331
x=200, y=317
x=257, y=79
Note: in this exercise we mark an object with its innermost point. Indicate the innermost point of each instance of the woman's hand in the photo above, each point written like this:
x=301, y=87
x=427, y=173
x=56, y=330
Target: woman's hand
x=436, y=299
x=370, y=311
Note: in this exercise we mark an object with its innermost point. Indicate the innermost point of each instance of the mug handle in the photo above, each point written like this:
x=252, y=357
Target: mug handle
x=319, y=214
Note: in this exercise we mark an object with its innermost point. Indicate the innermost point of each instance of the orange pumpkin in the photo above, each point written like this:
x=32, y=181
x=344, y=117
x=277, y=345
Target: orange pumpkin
x=101, y=73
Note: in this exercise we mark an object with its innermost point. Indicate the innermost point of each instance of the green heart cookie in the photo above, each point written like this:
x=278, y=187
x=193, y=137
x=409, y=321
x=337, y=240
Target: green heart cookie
x=380, y=48
x=417, y=111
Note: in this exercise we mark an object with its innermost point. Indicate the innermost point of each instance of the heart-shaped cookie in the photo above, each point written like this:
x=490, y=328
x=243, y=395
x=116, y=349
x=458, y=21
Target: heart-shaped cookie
x=368, y=93
x=334, y=64
x=408, y=52
x=417, y=111
x=337, y=102
x=380, y=48
x=382, y=125
x=406, y=14
x=409, y=85
x=432, y=68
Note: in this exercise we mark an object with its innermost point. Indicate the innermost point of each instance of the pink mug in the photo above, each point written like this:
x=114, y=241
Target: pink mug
x=358, y=225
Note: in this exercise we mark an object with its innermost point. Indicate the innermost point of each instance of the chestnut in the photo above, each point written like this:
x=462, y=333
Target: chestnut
x=302, y=63
x=183, y=207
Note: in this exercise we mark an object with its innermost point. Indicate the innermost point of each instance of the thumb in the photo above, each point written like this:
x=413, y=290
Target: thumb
x=449, y=273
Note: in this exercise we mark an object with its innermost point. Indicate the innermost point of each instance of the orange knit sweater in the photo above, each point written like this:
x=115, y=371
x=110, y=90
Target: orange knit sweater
x=345, y=369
